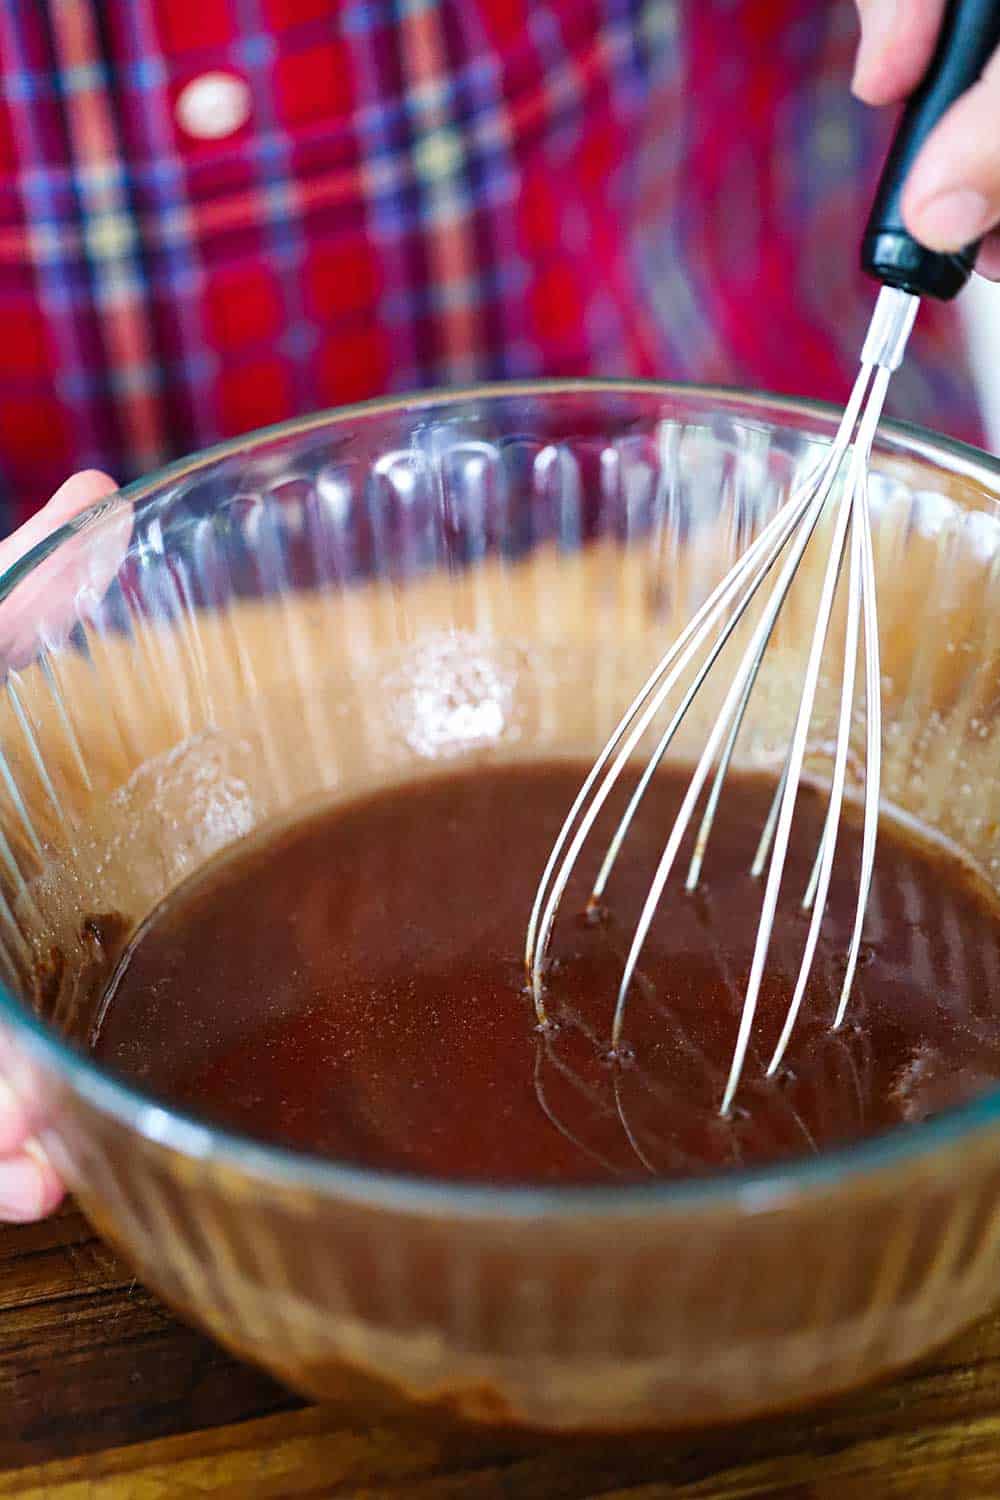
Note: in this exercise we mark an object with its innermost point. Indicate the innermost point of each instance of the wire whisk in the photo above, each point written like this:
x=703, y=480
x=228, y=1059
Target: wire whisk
x=782, y=540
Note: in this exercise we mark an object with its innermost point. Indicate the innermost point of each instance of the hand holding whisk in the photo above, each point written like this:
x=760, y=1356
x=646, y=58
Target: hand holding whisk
x=837, y=490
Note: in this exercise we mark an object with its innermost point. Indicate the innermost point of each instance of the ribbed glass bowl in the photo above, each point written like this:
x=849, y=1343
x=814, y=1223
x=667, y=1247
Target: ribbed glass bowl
x=360, y=597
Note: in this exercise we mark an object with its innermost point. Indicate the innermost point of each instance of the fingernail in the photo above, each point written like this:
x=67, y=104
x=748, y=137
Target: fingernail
x=857, y=77
x=951, y=220
x=860, y=63
x=37, y=1152
x=22, y=1189
x=53, y=1189
x=877, y=19
x=13, y=1124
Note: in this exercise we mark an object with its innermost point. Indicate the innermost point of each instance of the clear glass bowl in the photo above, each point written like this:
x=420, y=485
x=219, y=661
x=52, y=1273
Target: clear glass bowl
x=362, y=596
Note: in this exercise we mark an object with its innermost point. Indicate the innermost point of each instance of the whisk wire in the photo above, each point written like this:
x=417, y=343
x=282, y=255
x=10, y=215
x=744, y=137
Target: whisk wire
x=770, y=823
x=831, y=822
x=857, y=500
x=819, y=883
x=873, y=756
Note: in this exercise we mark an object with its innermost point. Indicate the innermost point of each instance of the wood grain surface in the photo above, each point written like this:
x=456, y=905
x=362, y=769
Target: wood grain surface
x=104, y=1395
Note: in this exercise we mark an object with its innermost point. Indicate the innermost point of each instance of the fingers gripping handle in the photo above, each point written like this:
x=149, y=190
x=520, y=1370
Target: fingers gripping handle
x=970, y=33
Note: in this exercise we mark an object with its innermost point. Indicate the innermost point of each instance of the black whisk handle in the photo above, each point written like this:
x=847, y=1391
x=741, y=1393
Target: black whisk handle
x=970, y=33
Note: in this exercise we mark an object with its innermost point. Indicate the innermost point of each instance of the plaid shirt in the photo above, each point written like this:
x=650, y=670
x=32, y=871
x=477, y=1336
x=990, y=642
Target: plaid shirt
x=400, y=193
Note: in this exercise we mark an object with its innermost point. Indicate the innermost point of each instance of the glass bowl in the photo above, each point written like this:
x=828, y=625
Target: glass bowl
x=359, y=597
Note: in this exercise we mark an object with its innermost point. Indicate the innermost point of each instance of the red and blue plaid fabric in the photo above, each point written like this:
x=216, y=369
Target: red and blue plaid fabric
x=425, y=192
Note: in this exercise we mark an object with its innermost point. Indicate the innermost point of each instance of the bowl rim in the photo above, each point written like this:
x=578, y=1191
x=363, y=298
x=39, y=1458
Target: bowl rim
x=754, y=1189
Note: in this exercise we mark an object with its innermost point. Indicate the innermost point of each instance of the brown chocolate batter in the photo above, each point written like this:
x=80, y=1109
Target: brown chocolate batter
x=353, y=984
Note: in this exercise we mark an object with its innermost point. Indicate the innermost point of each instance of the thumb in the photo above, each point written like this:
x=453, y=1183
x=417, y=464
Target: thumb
x=44, y=605
x=79, y=491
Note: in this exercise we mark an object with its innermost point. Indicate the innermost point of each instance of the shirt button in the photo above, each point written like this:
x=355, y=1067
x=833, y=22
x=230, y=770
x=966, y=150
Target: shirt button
x=213, y=106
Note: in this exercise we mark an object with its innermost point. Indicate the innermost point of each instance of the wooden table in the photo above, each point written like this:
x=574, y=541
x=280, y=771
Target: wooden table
x=104, y=1395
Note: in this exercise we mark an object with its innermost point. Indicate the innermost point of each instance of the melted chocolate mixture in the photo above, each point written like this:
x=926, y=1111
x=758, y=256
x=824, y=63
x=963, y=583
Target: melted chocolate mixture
x=353, y=984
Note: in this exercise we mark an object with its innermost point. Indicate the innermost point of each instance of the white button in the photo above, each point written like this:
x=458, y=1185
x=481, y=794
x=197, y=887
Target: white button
x=213, y=106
